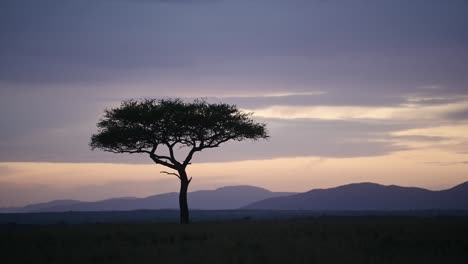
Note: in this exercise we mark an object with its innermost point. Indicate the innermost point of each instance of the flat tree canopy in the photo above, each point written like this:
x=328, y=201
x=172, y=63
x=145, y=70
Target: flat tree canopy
x=149, y=125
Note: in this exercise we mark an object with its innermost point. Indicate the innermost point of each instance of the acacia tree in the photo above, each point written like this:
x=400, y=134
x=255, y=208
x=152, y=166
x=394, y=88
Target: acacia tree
x=160, y=127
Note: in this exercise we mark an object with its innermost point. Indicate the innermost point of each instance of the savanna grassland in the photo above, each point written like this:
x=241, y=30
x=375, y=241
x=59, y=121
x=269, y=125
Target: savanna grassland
x=315, y=240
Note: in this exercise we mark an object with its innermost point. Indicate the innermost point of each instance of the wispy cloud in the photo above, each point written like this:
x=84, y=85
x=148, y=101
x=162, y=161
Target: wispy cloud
x=447, y=163
x=403, y=112
x=460, y=115
x=271, y=95
x=454, y=132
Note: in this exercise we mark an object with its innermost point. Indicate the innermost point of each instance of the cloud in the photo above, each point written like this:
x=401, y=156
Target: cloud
x=289, y=138
x=454, y=131
x=460, y=115
x=322, y=138
x=412, y=111
x=51, y=126
x=421, y=138
x=447, y=163
x=71, y=41
x=63, y=62
x=310, y=98
x=428, y=101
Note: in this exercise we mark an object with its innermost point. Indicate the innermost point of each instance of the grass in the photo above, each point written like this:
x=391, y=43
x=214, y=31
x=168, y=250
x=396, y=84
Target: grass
x=317, y=240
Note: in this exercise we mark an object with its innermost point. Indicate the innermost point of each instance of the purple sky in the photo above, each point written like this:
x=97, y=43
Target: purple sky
x=333, y=79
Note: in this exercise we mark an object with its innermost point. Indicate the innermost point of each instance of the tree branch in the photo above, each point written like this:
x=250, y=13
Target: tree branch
x=155, y=147
x=192, y=151
x=159, y=157
x=164, y=163
x=171, y=173
x=171, y=152
x=164, y=157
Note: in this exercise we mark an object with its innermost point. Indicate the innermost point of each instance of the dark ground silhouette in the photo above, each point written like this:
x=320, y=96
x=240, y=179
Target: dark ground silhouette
x=317, y=240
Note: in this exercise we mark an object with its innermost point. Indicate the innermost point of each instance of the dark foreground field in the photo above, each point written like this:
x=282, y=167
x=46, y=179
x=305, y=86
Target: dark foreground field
x=342, y=239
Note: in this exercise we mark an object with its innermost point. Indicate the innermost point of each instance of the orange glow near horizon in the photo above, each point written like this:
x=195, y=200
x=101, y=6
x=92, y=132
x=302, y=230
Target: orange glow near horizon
x=94, y=181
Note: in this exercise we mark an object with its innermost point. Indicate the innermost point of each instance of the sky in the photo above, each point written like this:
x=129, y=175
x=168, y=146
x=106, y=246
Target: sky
x=351, y=91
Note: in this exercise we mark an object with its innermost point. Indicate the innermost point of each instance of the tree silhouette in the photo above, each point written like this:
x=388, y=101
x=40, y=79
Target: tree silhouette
x=146, y=126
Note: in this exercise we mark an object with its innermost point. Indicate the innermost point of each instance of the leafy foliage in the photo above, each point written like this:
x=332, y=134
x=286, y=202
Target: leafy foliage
x=141, y=126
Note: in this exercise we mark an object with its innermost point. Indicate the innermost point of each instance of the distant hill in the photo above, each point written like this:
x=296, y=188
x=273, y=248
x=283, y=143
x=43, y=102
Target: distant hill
x=352, y=197
x=231, y=197
x=38, y=207
x=369, y=196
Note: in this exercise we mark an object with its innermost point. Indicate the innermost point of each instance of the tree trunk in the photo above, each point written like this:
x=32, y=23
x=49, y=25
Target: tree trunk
x=183, y=205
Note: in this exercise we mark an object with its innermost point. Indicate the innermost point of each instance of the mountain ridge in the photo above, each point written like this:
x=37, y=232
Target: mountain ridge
x=227, y=197
x=348, y=197
x=369, y=196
